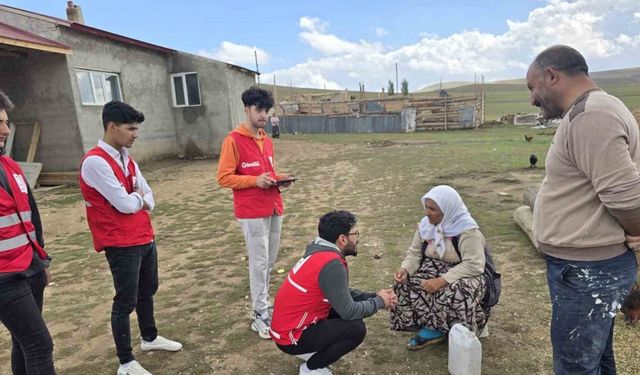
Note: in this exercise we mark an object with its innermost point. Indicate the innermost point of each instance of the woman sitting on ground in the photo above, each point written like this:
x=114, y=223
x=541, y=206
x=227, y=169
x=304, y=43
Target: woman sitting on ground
x=438, y=286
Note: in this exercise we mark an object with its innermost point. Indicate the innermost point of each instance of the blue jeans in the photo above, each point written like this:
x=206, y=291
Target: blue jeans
x=585, y=298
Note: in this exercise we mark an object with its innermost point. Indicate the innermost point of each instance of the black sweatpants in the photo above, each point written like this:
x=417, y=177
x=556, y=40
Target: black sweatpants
x=331, y=339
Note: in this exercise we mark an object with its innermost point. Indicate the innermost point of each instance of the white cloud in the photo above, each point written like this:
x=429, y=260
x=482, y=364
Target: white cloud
x=380, y=32
x=590, y=26
x=301, y=75
x=237, y=54
x=314, y=34
x=313, y=24
x=628, y=41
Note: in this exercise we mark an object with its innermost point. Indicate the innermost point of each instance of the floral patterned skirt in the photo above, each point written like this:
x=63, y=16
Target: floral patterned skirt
x=458, y=302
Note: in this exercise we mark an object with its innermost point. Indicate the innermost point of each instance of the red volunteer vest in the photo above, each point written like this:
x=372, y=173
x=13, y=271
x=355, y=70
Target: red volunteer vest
x=300, y=302
x=17, y=233
x=255, y=202
x=110, y=227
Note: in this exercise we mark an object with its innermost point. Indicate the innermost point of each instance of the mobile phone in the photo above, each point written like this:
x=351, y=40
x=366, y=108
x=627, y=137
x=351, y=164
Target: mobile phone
x=284, y=180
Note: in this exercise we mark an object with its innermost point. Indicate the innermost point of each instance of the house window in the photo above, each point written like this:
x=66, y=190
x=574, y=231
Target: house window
x=97, y=88
x=186, y=90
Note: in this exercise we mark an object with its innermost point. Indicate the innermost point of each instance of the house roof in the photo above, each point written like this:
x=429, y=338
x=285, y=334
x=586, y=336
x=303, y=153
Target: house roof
x=102, y=33
x=14, y=36
x=86, y=29
x=119, y=38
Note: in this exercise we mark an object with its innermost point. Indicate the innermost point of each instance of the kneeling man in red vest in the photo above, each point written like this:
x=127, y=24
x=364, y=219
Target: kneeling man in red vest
x=316, y=316
x=118, y=201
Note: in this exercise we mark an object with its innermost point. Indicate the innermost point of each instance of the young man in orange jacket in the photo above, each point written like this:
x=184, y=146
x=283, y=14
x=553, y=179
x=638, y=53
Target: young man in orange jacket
x=247, y=166
x=118, y=200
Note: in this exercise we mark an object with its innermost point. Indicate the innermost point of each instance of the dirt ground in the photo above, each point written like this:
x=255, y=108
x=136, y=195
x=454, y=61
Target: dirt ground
x=203, y=298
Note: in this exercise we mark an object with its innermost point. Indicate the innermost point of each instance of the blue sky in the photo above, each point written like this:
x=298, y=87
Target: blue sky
x=340, y=43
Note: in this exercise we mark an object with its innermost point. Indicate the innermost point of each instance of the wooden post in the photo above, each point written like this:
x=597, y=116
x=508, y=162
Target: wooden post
x=445, y=112
x=275, y=92
x=483, y=105
x=35, y=137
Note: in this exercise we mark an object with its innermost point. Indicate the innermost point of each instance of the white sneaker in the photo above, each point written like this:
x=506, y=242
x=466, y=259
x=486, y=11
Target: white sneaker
x=304, y=370
x=305, y=357
x=160, y=343
x=132, y=368
x=261, y=325
x=253, y=313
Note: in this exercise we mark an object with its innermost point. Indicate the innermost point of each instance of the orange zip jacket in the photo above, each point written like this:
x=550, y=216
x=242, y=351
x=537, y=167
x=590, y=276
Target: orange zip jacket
x=229, y=157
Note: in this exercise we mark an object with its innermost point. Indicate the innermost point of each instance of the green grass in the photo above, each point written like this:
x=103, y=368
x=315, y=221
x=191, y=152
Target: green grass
x=204, y=290
x=504, y=98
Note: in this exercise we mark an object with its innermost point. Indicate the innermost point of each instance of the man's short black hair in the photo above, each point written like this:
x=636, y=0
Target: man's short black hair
x=562, y=58
x=334, y=223
x=5, y=103
x=120, y=113
x=261, y=98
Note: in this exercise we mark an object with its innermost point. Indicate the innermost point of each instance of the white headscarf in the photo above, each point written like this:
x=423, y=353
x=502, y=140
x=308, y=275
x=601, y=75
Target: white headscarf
x=455, y=220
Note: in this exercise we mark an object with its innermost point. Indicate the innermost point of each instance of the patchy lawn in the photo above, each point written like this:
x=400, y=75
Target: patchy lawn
x=203, y=297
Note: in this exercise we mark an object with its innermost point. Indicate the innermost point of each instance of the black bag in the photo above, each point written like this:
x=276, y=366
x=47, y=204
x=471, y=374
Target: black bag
x=491, y=276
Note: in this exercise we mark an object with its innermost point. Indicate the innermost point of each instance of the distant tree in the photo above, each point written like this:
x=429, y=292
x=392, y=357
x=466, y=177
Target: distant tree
x=405, y=87
x=390, y=89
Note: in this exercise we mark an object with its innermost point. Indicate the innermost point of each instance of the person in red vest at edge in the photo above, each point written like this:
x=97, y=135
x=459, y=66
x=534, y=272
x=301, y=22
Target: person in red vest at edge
x=316, y=316
x=24, y=265
x=118, y=201
x=247, y=166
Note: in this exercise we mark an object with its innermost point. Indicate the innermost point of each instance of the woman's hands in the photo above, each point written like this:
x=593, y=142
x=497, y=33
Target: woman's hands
x=402, y=276
x=433, y=285
x=429, y=285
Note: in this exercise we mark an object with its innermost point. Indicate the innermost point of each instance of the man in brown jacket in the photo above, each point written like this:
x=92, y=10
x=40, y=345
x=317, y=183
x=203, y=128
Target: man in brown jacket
x=588, y=203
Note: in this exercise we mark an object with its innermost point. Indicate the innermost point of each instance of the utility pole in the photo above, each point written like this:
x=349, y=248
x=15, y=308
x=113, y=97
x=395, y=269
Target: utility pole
x=255, y=53
x=275, y=92
x=397, y=87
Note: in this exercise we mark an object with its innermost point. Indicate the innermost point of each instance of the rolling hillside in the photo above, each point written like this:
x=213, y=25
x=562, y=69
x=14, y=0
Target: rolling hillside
x=503, y=97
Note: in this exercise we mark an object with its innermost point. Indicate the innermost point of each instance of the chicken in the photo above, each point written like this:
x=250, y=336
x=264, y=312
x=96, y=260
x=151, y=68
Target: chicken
x=533, y=159
x=631, y=306
x=528, y=138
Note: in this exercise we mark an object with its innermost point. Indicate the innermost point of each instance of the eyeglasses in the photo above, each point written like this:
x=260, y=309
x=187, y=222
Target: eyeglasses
x=356, y=233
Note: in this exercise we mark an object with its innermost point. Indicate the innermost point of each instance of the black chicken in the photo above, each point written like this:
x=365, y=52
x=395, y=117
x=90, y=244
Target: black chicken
x=533, y=159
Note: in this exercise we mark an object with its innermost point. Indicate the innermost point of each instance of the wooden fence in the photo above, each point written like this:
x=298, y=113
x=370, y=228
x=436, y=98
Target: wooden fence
x=450, y=112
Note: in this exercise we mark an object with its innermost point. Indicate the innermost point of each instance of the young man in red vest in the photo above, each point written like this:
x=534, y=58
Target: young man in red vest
x=247, y=166
x=316, y=316
x=24, y=271
x=118, y=200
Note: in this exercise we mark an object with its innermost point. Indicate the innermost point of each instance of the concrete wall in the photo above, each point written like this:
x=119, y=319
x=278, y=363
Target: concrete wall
x=389, y=123
x=40, y=88
x=37, y=26
x=201, y=129
x=145, y=85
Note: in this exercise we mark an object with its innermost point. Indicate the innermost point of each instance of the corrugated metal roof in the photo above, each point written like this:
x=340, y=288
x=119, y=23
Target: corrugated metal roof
x=17, y=37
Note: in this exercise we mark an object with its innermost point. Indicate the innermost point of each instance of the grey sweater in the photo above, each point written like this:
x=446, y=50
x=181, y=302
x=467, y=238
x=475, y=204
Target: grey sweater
x=592, y=186
x=350, y=304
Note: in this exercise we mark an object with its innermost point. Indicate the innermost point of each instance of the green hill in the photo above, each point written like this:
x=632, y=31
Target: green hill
x=503, y=97
x=512, y=96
